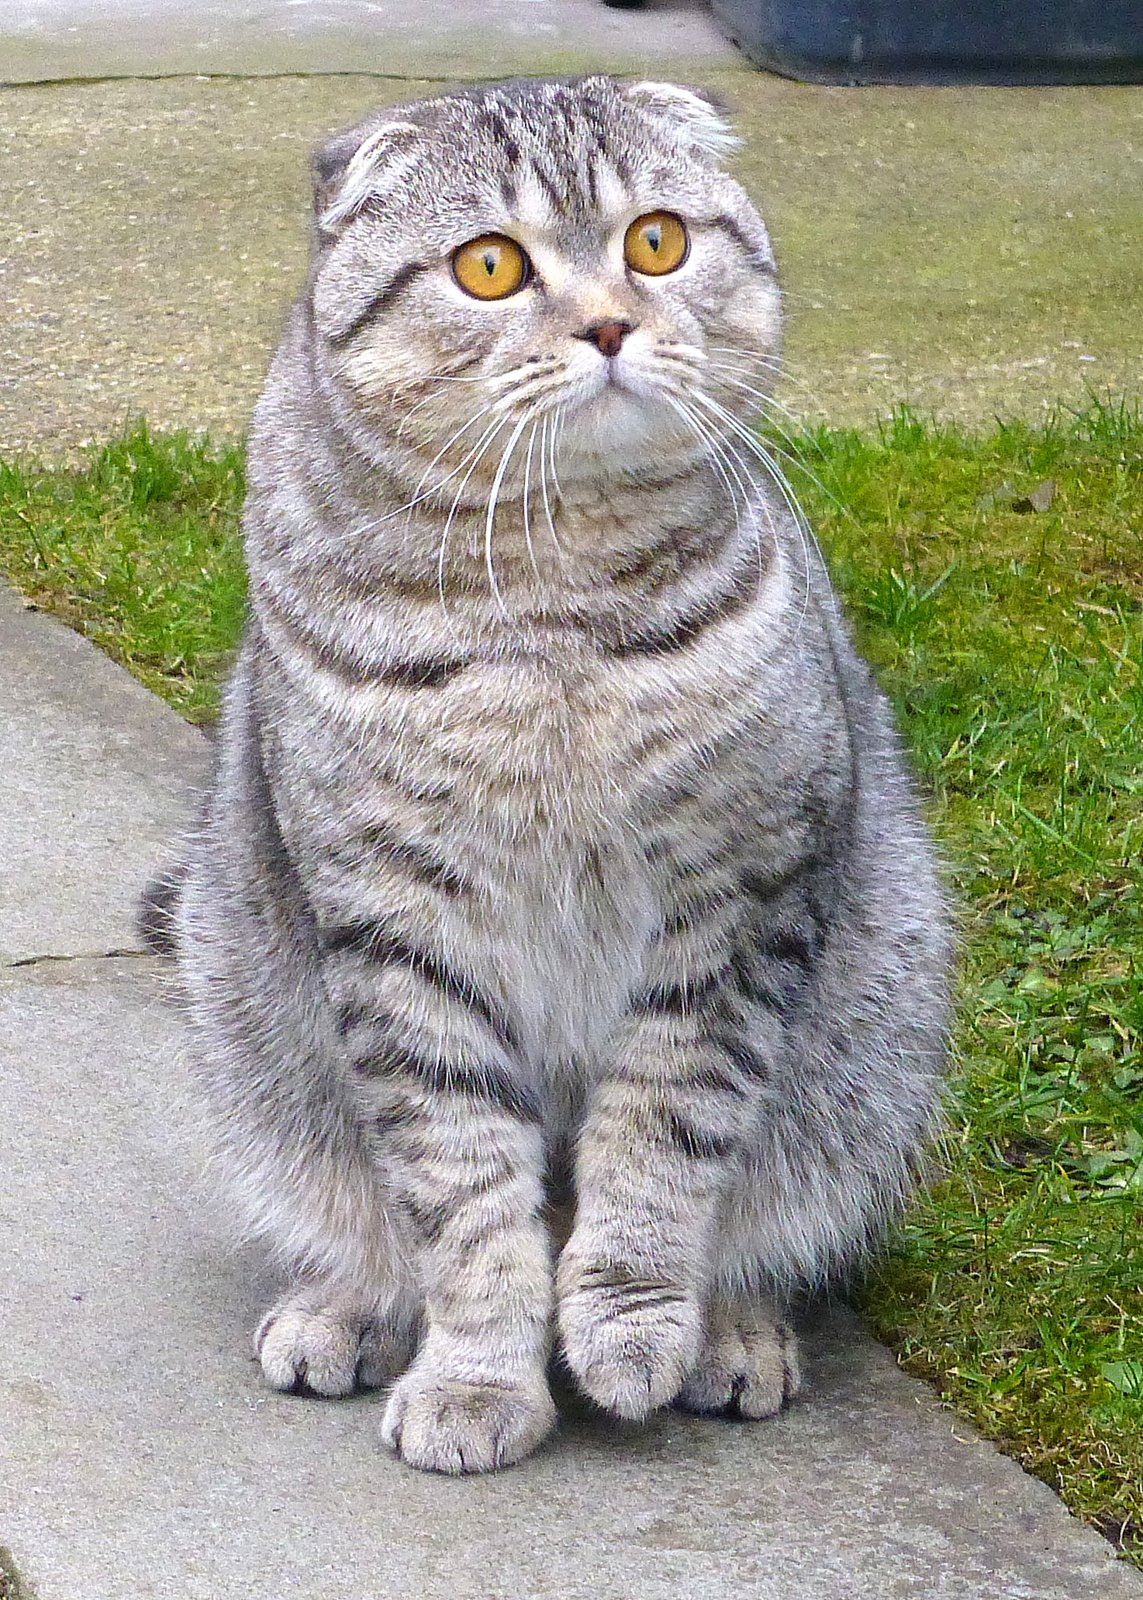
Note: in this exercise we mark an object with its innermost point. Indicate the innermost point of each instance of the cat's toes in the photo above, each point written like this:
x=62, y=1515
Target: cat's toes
x=748, y=1368
x=630, y=1341
x=441, y=1425
x=327, y=1347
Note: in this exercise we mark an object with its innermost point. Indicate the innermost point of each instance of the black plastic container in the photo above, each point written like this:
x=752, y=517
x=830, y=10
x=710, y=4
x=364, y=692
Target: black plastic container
x=941, y=41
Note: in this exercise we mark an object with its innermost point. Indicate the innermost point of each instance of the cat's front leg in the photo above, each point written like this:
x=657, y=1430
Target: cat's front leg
x=456, y=1136
x=468, y=1175
x=660, y=1146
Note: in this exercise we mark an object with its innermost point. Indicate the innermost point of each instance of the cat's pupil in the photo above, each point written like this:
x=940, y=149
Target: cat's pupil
x=491, y=259
x=654, y=237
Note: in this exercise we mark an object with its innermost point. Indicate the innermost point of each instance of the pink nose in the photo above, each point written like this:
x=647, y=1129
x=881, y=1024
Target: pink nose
x=607, y=337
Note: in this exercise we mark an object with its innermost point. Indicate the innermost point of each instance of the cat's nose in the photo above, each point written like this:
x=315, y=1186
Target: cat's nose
x=607, y=336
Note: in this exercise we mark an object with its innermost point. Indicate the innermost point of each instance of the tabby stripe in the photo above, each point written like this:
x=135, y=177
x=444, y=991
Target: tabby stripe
x=428, y=672
x=485, y=1082
x=698, y=1143
x=384, y=298
x=716, y=1080
x=744, y=1057
x=772, y=992
x=687, y=628
x=419, y=672
x=382, y=946
x=423, y=864
x=678, y=999
x=789, y=946
x=726, y=224
x=687, y=913
x=429, y=1221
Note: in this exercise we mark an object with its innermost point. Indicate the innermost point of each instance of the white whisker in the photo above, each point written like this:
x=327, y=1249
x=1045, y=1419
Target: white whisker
x=490, y=518
x=474, y=459
x=527, y=509
x=544, y=431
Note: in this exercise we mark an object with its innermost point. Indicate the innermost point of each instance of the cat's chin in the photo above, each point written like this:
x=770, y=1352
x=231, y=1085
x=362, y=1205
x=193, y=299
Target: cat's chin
x=621, y=434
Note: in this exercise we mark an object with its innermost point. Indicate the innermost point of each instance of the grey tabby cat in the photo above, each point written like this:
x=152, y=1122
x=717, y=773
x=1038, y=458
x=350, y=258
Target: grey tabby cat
x=562, y=944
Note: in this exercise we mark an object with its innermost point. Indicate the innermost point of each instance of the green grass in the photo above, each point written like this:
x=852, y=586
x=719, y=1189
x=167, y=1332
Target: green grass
x=139, y=550
x=1011, y=641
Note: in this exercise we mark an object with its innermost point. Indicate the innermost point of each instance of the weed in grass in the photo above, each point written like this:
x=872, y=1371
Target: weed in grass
x=1011, y=642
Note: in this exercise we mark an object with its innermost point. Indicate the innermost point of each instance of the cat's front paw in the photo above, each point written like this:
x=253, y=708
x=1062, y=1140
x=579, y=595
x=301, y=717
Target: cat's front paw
x=317, y=1342
x=748, y=1367
x=629, y=1339
x=439, y=1424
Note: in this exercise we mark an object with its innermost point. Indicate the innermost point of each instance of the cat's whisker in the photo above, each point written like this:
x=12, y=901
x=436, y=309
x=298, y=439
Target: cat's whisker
x=774, y=471
x=473, y=461
x=558, y=419
x=794, y=456
x=419, y=498
x=490, y=517
x=544, y=433
x=709, y=443
x=775, y=366
x=751, y=491
x=527, y=508
x=759, y=500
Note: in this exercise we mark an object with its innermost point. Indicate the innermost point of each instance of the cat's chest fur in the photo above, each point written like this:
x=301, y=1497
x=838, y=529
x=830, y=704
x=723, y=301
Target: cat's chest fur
x=536, y=776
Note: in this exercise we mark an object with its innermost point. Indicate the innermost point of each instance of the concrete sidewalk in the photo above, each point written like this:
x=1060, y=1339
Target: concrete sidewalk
x=140, y=1456
x=48, y=40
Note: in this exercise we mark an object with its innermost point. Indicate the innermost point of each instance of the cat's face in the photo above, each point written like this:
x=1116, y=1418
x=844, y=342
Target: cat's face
x=542, y=262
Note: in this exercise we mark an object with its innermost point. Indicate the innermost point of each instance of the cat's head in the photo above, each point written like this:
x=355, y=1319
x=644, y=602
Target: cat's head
x=561, y=259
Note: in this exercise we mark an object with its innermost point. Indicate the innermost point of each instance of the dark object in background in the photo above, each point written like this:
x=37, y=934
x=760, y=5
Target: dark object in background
x=941, y=41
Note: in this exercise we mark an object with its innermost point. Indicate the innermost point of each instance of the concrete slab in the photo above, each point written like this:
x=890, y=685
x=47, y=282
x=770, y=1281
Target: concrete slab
x=96, y=774
x=140, y=1457
x=55, y=39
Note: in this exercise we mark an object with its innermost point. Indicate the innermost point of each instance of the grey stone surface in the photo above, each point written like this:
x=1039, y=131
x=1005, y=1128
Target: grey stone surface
x=140, y=1457
x=96, y=774
x=53, y=39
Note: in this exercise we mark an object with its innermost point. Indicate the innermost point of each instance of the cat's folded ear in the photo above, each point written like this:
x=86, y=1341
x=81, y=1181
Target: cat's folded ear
x=356, y=166
x=695, y=118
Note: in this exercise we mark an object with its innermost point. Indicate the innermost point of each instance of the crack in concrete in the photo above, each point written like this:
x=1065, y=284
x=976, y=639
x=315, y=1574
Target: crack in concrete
x=80, y=955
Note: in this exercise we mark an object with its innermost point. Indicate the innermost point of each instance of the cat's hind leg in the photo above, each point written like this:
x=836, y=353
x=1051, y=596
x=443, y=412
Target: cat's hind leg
x=748, y=1367
x=323, y=1340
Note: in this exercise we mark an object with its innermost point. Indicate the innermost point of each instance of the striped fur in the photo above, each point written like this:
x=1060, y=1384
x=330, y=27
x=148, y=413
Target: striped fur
x=560, y=861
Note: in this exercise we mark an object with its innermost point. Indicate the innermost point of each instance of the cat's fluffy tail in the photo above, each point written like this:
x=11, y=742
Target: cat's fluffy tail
x=155, y=915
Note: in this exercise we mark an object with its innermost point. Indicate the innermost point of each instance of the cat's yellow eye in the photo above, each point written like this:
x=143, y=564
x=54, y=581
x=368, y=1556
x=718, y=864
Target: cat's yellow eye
x=491, y=267
x=656, y=243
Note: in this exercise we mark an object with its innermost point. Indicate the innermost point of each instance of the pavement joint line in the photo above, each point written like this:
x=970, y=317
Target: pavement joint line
x=260, y=77
x=124, y=954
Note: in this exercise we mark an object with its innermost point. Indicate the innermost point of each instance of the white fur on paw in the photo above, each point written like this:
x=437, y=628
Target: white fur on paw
x=326, y=1346
x=748, y=1367
x=441, y=1425
x=629, y=1341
